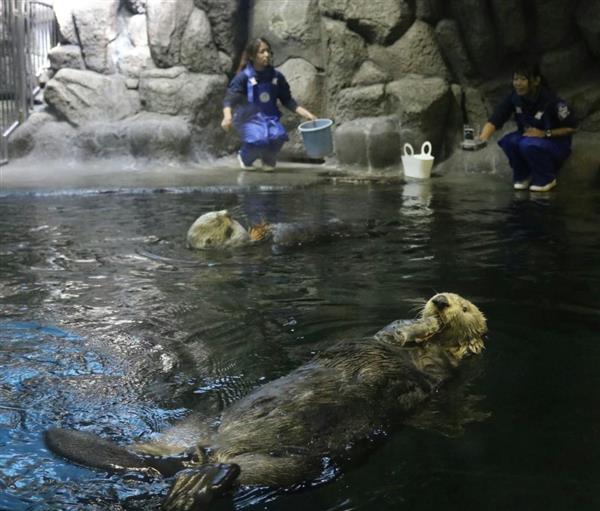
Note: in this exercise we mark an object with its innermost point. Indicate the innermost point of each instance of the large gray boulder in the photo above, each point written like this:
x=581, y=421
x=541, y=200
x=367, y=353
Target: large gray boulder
x=66, y=55
x=490, y=159
x=23, y=140
x=588, y=20
x=225, y=63
x=96, y=26
x=476, y=108
x=346, y=51
x=198, y=51
x=134, y=61
x=45, y=138
x=66, y=24
x=555, y=22
x=565, y=64
x=584, y=98
x=592, y=123
x=175, y=91
x=365, y=101
x=154, y=136
x=430, y=11
x=509, y=19
x=370, y=73
x=167, y=22
x=373, y=142
x=379, y=21
x=475, y=21
x=144, y=135
x=422, y=105
x=226, y=22
x=306, y=84
x=452, y=46
x=291, y=26
x=83, y=96
x=417, y=51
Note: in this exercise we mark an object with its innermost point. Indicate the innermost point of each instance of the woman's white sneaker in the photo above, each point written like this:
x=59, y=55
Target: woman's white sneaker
x=242, y=164
x=544, y=188
x=522, y=185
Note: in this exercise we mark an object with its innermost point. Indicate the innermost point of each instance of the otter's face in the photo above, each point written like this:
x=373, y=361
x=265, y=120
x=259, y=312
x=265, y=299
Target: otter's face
x=462, y=322
x=216, y=230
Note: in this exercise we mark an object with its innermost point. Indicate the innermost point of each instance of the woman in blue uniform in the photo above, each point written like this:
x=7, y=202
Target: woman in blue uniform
x=250, y=106
x=545, y=124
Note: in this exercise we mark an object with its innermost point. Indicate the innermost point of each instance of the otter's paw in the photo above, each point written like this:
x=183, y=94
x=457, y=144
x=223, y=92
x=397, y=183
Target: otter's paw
x=194, y=488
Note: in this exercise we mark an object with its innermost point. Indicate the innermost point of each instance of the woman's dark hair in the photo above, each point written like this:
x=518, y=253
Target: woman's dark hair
x=530, y=69
x=251, y=50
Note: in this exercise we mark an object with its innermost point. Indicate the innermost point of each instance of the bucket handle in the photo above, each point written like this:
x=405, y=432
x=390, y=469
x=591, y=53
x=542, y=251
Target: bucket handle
x=407, y=146
x=426, y=148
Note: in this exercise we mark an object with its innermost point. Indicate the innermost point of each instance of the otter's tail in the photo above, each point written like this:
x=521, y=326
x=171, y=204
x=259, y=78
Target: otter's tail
x=93, y=451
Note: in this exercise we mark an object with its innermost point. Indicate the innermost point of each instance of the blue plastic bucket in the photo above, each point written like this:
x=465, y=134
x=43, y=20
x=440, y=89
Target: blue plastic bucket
x=316, y=136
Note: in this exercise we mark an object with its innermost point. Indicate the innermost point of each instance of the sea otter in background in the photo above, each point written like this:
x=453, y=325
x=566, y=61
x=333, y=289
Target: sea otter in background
x=279, y=434
x=218, y=229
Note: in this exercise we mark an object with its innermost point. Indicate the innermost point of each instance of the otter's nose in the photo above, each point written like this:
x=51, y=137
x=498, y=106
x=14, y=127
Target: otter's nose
x=440, y=301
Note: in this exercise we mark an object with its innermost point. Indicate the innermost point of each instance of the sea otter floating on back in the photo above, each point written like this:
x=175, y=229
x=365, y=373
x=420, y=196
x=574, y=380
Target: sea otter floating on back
x=218, y=230
x=279, y=434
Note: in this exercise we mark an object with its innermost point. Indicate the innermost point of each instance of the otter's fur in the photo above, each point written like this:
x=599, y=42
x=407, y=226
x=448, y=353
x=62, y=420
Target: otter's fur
x=216, y=229
x=219, y=229
x=279, y=434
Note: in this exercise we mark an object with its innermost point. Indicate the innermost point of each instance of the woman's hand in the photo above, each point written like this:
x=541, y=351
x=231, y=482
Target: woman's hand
x=488, y=130
x=306, y=114
x=227, y=121
x=534, y=132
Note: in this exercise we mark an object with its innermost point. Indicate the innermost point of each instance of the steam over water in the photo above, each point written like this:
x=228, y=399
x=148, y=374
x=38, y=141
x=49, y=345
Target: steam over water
x=111, y=325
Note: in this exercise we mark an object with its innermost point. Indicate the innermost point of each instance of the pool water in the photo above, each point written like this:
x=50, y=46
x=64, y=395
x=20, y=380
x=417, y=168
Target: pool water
x=110, y=324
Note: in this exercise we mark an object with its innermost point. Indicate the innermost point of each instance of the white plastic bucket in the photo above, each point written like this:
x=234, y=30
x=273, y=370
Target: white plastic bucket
x=316, y=136
x=417, y=166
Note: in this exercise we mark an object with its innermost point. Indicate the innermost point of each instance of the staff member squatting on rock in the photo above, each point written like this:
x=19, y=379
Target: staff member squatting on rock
x=545, y=124
x=250, y=106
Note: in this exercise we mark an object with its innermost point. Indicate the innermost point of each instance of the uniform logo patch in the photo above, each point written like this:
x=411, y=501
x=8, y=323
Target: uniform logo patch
x=539, y=115
x=562, y=111
x=264, y=97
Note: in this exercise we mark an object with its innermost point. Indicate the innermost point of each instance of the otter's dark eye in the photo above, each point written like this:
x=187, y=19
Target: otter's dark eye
x=229, y=232
x=208, y=241
x=464, y=308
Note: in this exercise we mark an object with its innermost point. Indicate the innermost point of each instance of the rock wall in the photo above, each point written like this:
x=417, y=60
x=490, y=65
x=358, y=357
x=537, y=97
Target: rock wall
x=387, y=71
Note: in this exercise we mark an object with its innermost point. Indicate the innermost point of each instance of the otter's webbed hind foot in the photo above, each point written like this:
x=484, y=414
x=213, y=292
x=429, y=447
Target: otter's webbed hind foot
x=93, y=451
x=194, y=488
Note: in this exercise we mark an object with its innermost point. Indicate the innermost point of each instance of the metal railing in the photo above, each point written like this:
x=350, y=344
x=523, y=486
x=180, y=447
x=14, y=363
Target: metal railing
x=28, y=30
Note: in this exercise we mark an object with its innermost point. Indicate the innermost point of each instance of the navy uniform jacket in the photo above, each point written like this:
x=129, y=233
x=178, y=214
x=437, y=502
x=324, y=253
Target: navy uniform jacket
x=546, y=111
x=237, y=92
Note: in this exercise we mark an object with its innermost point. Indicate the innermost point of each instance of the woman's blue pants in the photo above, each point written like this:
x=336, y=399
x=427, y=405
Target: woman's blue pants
x=538, y=159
